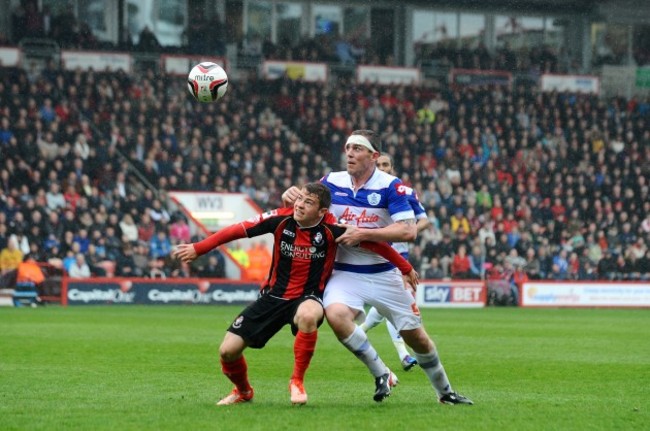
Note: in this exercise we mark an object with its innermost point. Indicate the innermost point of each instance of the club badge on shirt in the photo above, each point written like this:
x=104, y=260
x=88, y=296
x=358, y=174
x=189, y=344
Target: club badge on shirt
x=374, y=198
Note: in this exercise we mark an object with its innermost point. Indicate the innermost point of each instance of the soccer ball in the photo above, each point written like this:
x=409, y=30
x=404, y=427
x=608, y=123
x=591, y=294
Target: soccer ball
x=207, y=82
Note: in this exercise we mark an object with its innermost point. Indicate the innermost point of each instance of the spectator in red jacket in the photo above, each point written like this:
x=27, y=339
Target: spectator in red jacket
x=460, y=265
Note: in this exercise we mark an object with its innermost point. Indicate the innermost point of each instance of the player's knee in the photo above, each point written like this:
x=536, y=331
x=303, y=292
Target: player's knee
x=307, y=322
x=341, y=319
x=229, y=350
x=227, y=354
x=338, y=314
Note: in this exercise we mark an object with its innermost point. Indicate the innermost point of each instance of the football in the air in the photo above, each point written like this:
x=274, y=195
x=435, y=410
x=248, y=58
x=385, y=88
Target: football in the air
x=207, y=82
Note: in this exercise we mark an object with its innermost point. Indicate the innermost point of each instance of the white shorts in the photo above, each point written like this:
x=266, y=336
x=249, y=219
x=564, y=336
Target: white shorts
x=385, y=291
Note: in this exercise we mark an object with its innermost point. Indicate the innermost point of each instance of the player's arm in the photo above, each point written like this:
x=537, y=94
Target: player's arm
x=401, y=231
x=390, y=254
x=381, y=248
x=422, y=221
x=422, y=224
x=189, y=252
x=387, y=252
x=258, y=225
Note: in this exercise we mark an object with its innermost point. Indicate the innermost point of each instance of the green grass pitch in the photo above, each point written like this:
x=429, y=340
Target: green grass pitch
x=156, y=368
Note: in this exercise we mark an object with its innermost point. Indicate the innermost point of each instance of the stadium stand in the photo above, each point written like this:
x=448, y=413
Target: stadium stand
x=554, y=183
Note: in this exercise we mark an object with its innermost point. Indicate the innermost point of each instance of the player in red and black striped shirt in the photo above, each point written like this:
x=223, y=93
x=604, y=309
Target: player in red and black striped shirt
x=303, y=259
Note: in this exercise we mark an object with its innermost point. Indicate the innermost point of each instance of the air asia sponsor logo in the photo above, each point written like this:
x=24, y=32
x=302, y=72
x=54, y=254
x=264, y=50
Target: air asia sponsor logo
x=101, y=295
x=289, y=233
x=195, y=296
x=348, y=217
x=301, y=252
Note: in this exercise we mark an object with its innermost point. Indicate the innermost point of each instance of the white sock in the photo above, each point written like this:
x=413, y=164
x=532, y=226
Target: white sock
x=398, y=342
x=373, y=318
x=430, y=363
x=358, y=344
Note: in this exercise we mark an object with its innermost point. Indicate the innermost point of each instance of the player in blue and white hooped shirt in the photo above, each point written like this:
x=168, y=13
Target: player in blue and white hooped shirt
x=374, y=206
x=373, y=317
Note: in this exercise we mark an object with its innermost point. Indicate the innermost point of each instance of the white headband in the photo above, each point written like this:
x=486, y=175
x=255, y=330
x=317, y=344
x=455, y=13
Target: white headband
x=361, y=140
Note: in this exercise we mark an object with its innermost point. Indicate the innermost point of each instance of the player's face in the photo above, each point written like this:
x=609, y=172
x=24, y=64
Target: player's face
x=306, y=209
x=383, y=163
x=360, y=160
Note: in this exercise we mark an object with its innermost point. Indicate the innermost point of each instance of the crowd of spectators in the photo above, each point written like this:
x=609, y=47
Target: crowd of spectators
x=515, y=181
x=538, y=59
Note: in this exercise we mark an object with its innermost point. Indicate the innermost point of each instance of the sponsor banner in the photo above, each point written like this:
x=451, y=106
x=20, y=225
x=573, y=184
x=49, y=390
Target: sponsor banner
x=479, y=78
x=312, y=72
x=9, y=57
x=388, y=75
x=146, y=291
x=571, y=83
x=642, y=77
x=182, y=64
x=537, y=294
x=98, y=61
x=451, y=294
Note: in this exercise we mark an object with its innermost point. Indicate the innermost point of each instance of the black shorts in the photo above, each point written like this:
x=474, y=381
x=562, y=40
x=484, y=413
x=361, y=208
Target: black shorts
x=261, y=320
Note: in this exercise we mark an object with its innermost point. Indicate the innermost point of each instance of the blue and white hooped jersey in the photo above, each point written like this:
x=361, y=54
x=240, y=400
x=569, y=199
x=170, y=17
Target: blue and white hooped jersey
x=381, y=201
x=403, y=247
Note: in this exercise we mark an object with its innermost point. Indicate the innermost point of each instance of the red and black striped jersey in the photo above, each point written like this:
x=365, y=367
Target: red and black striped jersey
x=303, y=258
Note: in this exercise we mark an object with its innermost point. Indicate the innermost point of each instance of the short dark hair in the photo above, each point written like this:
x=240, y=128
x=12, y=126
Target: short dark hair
x=321, y=191
x=371, y=136
x=390, y=159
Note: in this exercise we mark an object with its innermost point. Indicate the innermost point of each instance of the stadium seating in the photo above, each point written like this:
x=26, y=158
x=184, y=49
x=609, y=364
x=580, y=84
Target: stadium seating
x=538, y=172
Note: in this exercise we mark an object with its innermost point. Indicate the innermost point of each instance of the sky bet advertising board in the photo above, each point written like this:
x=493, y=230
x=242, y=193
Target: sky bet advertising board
x=451, y=294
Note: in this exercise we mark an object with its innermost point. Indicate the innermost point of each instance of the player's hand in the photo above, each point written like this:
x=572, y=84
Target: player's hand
x=290, y=195
x=351, y=237
x=185, y=253
x=411, y=281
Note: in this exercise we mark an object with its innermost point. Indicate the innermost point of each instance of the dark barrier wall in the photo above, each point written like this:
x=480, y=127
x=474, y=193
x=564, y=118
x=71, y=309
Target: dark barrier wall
x=148, y=291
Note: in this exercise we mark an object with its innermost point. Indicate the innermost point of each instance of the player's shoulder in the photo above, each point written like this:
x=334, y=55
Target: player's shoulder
x=382, y=180
x=329, y=218
x=339, y=178
x=278, y=212
x=330, y=222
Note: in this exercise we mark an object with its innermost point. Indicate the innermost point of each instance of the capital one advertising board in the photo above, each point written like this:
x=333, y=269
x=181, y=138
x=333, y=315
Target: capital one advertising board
x=468, y=294
x=146, y=291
